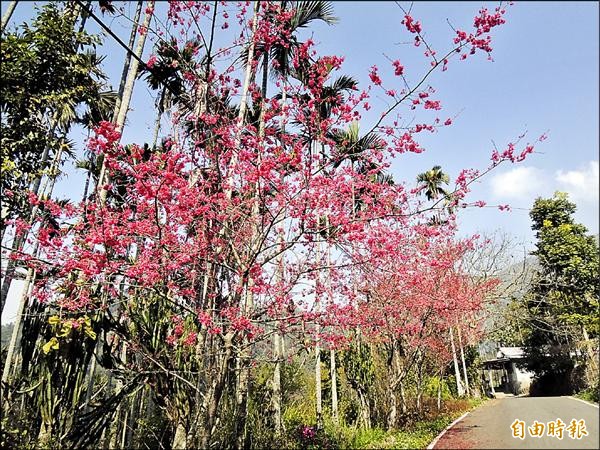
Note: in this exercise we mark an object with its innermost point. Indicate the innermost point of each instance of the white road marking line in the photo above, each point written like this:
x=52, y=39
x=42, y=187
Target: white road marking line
x=583, y=401
x=439, y=436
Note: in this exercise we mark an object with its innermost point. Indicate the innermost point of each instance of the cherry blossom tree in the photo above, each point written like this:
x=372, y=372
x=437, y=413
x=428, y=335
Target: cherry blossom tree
x=274, y=216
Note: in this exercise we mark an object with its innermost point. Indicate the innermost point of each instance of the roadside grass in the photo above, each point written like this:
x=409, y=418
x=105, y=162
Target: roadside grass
x=591, y=394
x=417, y=435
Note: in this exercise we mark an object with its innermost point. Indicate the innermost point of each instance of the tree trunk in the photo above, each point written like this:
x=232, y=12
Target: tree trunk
x=318, y=387
x=277, y=384
x=20, y=238
x=180, y=439
x=131, y=66
x=365, y=410
x=214, y=395
x=2, y=229
x=280, y=339
x=117, y=423
x=122, y=84
x=156, y=129
x=11, y=268
x=393, y=414
x=439, y=390
x=126, y=63
x=592, y=356
x=334, y=392
x=29, y=280
x=464, y=365
x=332, y=365
x=459, y=387
x=398, y=374
x=420, y=383
x=125, y=423
x=402, y=397
x=128, y=77
x=243, y=371
x=8, y=14
x=242, y=401
x=86, y=186
x=277, y=350
x=244, y=98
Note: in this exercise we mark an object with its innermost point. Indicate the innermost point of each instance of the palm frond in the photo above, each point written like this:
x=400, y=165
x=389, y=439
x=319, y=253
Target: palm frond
x=100, y=108
x=306, y=12
x=433, y=180
x=84, y=164
x=344, y=83
x=281, y=56
x=350, y=145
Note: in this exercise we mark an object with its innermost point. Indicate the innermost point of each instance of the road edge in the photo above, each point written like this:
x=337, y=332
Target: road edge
x=439, y=436
x=583, y=401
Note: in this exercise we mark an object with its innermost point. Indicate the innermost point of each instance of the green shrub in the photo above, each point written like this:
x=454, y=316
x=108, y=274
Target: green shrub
x=431, y=388
x=591, y=394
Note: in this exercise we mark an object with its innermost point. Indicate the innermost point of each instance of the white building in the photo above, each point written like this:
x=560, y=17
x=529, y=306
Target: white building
x=503, y=373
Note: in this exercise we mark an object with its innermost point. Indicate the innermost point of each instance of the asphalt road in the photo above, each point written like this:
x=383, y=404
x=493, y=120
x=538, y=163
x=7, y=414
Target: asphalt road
x=489, y=426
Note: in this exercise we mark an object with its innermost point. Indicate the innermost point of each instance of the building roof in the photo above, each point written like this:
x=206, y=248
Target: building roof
x=510, y=353
x=497, y=363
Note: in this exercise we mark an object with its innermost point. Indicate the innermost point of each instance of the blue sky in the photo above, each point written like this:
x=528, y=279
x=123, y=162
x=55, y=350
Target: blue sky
x=544, y=77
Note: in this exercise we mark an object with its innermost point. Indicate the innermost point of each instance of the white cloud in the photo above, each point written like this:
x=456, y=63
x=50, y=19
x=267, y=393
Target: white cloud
x=520, y=186
x=582, y=185
x=519, y=183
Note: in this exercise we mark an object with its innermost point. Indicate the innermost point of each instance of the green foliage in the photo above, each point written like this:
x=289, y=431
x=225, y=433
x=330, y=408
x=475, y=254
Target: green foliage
x=151, y=428
x=418, y=435
x=14, y=430
x=552, y=212
x=569, y=263
x=358, y=366
x=432, y=384
x=49, y=71
x=432, y=181
x=563, y=298
x=591, y=394
x=366, y=436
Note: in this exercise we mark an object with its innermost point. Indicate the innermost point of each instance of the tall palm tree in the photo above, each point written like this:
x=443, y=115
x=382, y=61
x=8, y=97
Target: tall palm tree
x=282, y=54
x=98, y=103
x=433, y=180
